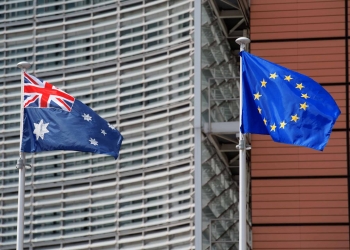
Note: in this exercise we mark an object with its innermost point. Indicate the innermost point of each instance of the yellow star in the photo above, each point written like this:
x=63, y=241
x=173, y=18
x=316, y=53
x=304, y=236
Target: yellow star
x=273, y=76
x=273, y=127
x=257, y=96
x=263, y=83
x=288, y=78
x=282, y=124
x=295, y=118
x=259, y=109
x=265, y=121
x=299, y=86
x=303, y=106
x=305, y=96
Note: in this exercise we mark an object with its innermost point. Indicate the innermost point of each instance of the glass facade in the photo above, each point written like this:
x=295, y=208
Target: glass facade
x=131, y=61
x=219, y=165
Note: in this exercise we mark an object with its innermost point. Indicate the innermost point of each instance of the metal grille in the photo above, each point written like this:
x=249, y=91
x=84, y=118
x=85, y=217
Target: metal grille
x=220, y=104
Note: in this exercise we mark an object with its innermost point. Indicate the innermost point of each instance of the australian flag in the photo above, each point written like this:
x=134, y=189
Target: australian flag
x=290, y=107
x=54, y=120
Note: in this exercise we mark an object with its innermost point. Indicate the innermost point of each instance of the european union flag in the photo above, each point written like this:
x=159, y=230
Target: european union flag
x=290, y=107
x=55, y=120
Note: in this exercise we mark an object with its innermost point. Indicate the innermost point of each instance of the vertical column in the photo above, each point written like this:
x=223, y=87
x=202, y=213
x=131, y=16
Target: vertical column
x=197, y=121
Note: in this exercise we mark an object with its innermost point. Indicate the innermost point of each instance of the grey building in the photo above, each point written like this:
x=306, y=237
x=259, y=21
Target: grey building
x=132, y=62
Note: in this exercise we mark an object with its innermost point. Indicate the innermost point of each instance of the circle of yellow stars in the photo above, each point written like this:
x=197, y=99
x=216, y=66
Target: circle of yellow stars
x=295, y=117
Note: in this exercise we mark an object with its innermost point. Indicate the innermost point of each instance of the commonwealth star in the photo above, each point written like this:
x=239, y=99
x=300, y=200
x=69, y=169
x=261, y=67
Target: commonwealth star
x=40, y=129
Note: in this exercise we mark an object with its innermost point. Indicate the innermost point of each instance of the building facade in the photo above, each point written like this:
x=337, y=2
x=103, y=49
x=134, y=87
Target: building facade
x=300, y=197
x=217, y=95
x=132, y=62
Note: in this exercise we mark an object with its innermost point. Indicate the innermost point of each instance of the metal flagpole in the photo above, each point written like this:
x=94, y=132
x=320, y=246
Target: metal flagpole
x=21, y=165
x=242, y=41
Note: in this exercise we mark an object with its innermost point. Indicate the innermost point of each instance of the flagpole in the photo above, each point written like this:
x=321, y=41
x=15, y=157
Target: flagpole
x=21, y=166
x=242, y=41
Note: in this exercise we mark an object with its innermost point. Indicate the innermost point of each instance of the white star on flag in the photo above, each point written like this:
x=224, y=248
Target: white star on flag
x=87, y=117
x=93, y=142
x=40, y=129
x=111, y=126
x=103, y=132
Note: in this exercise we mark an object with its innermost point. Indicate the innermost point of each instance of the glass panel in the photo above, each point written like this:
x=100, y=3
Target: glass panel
x=220, y=105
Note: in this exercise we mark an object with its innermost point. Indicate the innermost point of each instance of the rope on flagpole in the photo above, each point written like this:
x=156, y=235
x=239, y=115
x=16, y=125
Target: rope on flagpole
x=21, y=166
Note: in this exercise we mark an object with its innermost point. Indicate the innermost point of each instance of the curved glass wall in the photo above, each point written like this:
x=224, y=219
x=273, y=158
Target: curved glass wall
x=131, y=62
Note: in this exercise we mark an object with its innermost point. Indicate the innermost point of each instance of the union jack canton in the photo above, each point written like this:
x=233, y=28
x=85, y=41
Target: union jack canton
x=41, y=94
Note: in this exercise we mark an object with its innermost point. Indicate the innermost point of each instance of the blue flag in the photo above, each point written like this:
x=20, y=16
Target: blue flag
x=290, y=107
x=54, y=120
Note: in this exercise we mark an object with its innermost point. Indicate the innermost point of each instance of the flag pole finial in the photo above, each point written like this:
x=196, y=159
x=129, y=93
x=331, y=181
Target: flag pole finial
x=242, y=41
x=24, y=65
